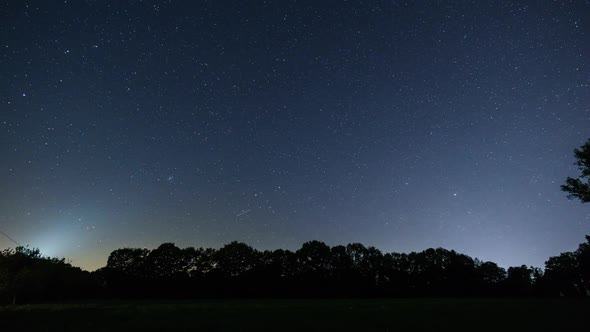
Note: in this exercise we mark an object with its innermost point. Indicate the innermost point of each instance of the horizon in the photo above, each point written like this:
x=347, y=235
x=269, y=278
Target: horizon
x=399, y=126
x=92, y=268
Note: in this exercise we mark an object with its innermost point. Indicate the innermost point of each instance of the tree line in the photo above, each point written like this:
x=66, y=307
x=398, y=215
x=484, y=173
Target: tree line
x=314, y=270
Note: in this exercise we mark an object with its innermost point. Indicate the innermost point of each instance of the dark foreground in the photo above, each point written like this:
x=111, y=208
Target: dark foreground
x=304, y=315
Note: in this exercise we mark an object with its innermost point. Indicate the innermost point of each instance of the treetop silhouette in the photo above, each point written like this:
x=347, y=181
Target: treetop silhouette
x=579, y=188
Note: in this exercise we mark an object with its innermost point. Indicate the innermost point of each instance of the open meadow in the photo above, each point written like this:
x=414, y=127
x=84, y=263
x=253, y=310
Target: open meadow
x=303, y=315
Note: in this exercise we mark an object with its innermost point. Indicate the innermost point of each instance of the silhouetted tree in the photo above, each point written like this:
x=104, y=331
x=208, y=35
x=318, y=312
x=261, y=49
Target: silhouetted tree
x=519, y=280
x=313, y=257
x=580, y=187
x=461, y=275
x=490, y=276
x=367, y=267
x=126, y=272
x=167, y=261
x=562, y=275
x=129, y=261
x=26, y=276
x=341, y=271
x=235, y=259
x=314, y=270
x=201, y=261
x=237, y=267
x=313, y=267
x=17, y=271
x=396, y=274
x=340, y=260
x=583, y=258
x=274, y=274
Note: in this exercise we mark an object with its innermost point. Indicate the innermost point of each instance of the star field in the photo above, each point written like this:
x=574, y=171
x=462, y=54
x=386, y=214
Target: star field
x=403, y=125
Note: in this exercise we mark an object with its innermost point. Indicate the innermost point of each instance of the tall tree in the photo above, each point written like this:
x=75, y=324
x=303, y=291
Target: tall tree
x=562, y=274
x=520, y=280
x=580, y=187
x=236, y=258
x=26, y=276
x=583, y=255
x=314, y=257
x=129, y=261
x=167, y=261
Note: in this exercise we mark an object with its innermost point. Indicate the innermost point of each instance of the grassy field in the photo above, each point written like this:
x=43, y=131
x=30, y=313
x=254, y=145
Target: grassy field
x=304, y=315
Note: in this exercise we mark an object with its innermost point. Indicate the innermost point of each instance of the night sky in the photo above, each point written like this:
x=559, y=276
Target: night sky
x=402, y=125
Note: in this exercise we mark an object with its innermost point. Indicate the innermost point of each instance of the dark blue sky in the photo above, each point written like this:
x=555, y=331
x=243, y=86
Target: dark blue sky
x=403, y=125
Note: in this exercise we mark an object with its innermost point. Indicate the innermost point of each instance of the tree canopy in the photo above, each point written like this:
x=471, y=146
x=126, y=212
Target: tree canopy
x=314, y=270
x=579, y=188
x=27, y=276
